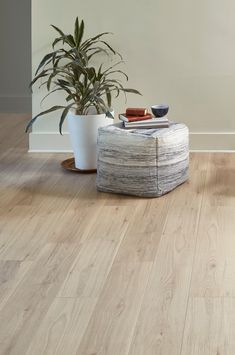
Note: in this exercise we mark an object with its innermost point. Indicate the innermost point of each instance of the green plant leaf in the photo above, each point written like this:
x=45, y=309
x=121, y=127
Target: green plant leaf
x=132, y=91
x=91, y=73
x=109, y=114
x=109, y=47
x=41, y=75
x=66, y=38
x=109, y=97
x=70, y=40
x=44, y=60
x=57, y=40
x=59, y=31
x=101, y=101
x=42, y=84
x=76, y=31
x=113, y=66
x=90, y=41
x=100, y=50
x=63, y=82
x=63, y=116
x=68, y=54
x=76, y=65
x=53, y=108
x=49, y=93
x=69, y=98
x=118, y=71
x=51, y=76
x=80, y=36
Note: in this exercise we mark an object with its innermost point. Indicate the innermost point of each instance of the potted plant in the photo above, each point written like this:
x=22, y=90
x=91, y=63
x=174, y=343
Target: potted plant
x=89, y=89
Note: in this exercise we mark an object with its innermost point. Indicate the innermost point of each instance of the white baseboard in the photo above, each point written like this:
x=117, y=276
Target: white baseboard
x=199, y=142
x=15, y=104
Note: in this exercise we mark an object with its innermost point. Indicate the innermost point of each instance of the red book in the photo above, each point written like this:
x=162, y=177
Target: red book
x=136, y=111
x=126, y=118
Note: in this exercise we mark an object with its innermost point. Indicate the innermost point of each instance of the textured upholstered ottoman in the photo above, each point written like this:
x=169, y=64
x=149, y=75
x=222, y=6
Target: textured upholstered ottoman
x=142, y=162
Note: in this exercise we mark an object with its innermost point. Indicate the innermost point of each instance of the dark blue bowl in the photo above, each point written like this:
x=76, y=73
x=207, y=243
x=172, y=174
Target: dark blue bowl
x=160, y=110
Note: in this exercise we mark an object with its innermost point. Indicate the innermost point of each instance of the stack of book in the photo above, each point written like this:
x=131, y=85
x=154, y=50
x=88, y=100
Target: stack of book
x=140, y=118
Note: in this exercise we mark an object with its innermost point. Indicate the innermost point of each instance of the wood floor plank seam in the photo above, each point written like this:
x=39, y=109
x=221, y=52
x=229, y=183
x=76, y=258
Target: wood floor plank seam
x=194, y=255
x=58, y=296
x=138, y=312
x=147, y=284
x=116, y=262
x=120, y=261
x=148, y=333
x=90, y=318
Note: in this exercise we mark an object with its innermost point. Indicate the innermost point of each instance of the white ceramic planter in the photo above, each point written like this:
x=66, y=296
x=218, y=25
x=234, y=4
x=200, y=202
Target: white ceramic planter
x=83, y=135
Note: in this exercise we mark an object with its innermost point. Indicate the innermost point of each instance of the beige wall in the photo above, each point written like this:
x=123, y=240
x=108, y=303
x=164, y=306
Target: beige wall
x=15, y=55
x=177, y=52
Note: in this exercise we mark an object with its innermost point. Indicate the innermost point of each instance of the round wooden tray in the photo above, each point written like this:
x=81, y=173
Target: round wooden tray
x=69, y=165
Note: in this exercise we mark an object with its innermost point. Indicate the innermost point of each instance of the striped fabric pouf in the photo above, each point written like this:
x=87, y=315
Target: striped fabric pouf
x=142, y=162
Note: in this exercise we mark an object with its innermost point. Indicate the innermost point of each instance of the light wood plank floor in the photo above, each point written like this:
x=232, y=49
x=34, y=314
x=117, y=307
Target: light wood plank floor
x=89, y=273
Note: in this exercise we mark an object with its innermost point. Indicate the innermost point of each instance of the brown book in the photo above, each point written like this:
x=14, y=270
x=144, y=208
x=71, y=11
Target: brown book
x=136, y=111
